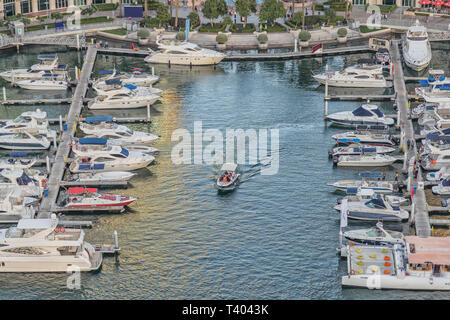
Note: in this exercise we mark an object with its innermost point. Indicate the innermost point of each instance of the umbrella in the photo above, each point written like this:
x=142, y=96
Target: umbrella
x=425, y=2
x=438, y=3
x=447, y=4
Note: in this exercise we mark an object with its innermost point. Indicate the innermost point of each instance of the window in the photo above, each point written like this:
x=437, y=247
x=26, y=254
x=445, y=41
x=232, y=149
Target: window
x=359, y=2
x=61, y=3
x=43, y=5
x=409, y=3
x=9, y=7
x=25, y=6
x=99, y=1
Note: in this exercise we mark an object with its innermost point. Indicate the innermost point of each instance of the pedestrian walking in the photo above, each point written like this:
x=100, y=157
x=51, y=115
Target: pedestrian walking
x=106, y=44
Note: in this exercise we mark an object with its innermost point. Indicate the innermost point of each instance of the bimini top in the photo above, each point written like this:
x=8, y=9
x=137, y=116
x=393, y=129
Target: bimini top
x=229, y=166
x=113, y=81
x=99, y=119
x=47, y=56
x=376, y=203
x=446, y=182
x=106, y=72
x=130, y=86
x=34, y=224
x=93, y=141
x=366, y=111
x=81, y=190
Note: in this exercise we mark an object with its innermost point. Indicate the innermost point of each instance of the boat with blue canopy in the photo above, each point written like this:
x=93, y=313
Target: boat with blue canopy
x=366, y=114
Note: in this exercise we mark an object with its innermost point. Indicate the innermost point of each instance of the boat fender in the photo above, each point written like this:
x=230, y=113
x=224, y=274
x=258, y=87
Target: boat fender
x=62, y=229
x=384, y=251
x=358, y=250
x=360, y=263
x=386, y=272
x=360, y=271
x=351, y=243
x=387, y=264
x=386, y=258
x=373, y=256
x=374, y=269
x=360, y=257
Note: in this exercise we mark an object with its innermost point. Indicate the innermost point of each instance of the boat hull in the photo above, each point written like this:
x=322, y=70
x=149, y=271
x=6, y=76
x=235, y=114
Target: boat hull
x=138, y=103
x=392, y=282
x=177, y=60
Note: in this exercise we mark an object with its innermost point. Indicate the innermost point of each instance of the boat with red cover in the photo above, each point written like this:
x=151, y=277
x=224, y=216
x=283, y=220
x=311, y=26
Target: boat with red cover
x=78, y=197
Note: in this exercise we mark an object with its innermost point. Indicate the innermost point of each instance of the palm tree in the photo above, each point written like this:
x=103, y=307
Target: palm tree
x=120, y=9
x=146, y=8
x=313, y=5
x=303, y=17
x=293, y=8
x=346, y=9
x=193, y=6
x=176, y=13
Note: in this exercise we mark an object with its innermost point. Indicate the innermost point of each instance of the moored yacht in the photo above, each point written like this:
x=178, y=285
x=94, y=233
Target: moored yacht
x=374, y=236
x=416, y=47
x=102, y=176
x=365, y=160
x=23, y=139
x=357, y=149
x=366, y=114
x=364, y=137
x=131, y=97
x=43, y=84
x=79, y=197
x=114, y=161
x=184, y=53
x=48, y=67
x=137, y=78
x=39, y=245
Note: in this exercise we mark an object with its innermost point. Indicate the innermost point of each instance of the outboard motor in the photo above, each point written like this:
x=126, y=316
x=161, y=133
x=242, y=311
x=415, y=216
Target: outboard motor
x=396, y=187
x=330, y=154
x=335, y=160
x=444, y=203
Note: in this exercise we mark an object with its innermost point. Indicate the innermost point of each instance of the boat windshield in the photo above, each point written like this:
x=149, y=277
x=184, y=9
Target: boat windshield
x=124, y=152
x=361, y=112
x=376, y=204
x=374, y=232
x=378, y=112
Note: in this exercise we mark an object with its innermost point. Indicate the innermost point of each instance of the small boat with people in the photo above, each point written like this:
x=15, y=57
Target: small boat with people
x=374, y=210
x=103, y=127
x=364, y=137
x=42, y=245
x=80, y=197
x=228, y=178
x=366, y=114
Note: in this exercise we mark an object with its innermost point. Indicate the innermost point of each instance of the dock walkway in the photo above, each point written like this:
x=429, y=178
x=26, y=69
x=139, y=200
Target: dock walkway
x=59, y=165
x=419, y=214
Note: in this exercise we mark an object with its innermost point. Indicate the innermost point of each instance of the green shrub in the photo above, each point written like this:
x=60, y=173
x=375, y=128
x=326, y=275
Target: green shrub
x=221, y=38
x=96, y=20
x=216, y=27
x=227, y=20
x=262, y=38
x=151, y=22
x=276, y=27
x=88, y=11
x=105, y=6
x=181, y=36
x=365, y=29
x=342, y=32
x=143, y=33
x=193, y=17
x=119, y=32
x=239, y=28
x=304, y=35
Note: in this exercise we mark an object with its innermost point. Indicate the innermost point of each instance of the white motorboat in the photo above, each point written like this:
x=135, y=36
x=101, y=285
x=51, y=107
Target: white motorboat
x=102, y=176
x=377, y=209
x=436, y=89
x=364, y=137
x=121, y=161
x=80, y=197
x=29, y=121
x=366, y=114
x=12, y=179
x=137, y=78
x=128, y=98
x=385, y=187
x=114, y=86
x=48, y=67
x=360, y=76
x=443, y=173
x=13, y=163
x=365, y=160
x=228, y=178
x=15, y=206
x=23, y=139
x=416, y=47
x=89, y=144
x=443, y=188
x=43, y=84
x=40, y=245
x=184, y=53
x=367, y=194
x=374, y=236
x=417, y=264
x=102, y=127
x=435, y=158
x=357, y=149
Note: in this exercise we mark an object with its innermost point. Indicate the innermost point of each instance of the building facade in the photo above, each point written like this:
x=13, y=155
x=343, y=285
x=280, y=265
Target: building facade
x=44, y=7
x=398, y=3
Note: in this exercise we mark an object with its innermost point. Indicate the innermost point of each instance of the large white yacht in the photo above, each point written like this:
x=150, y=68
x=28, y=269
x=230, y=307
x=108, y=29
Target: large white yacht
x=43, y=84
x=366, y=114
x=23, y=140
x=29, y=120
x=362, y=75
x=128, y=98
x=416, y=47
x=40, y=245
x=48, y=67
x=184, y=53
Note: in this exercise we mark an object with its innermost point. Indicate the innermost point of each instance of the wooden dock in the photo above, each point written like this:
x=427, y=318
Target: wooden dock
x=48, y=204
x=93, y=183
x=382, y=97
x=419, y=215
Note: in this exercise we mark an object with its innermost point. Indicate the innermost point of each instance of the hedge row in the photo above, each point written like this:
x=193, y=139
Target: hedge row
x=239, y=28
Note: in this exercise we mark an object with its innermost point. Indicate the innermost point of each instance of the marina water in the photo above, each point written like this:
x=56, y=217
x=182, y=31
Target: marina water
x=274, y=237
